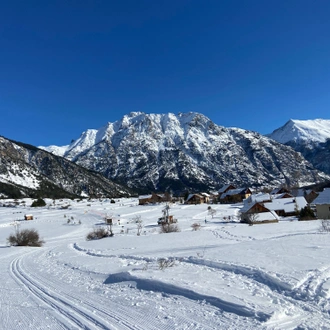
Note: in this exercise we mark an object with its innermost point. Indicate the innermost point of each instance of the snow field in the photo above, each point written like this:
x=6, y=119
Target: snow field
x=226, y=275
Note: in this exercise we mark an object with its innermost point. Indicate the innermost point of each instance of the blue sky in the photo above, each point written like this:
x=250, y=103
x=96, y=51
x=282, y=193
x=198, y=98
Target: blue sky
x=66, y=66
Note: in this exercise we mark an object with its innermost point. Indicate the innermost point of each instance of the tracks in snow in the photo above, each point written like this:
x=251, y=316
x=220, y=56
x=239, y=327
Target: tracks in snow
x=69, y=308
x=307, y=300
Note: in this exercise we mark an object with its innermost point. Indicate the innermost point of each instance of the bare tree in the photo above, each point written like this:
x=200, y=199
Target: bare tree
x=139, y=224
x=212, y=212
x=325, y=225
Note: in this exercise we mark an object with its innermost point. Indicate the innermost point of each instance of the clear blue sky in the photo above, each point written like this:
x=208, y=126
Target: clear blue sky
x=70, y=65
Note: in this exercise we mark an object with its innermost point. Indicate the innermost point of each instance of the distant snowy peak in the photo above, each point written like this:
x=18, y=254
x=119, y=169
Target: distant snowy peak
x=302, y=131
x=58, y=151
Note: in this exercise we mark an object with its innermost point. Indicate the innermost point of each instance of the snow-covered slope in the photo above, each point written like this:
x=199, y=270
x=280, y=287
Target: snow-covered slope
x=301, y=131
x=310, y=137
x=185, y=151
x=28, y=171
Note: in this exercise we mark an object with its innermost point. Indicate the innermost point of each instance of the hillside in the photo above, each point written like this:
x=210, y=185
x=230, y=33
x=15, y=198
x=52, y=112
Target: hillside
x=29, y=171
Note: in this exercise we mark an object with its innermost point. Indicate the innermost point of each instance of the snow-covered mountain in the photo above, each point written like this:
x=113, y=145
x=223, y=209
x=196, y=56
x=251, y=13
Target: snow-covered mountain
x=303, y=131
x=28, y=171
x=310, y=137
x=185, y=151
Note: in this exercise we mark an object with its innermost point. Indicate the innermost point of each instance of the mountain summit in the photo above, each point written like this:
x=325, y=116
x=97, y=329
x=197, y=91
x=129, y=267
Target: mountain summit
x=303, y=131
x=310, y=137
x=185, y=151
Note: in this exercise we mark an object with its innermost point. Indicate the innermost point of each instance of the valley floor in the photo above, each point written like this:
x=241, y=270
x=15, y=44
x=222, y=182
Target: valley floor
x=226, y=275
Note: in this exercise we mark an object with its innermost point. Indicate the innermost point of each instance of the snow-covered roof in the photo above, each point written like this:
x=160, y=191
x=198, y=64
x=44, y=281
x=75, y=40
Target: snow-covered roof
x=323, y=197
x=277, y=196
x=247, y=206
x=287, y=204
x=222, y=189
x=145, y=196
x=232, y=192
x=260, y=197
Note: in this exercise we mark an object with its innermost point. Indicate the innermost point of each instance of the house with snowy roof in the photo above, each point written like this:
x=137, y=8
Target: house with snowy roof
x=154, y=198
x=197, y=199
x=270, y=207
x=256, y=213
x=322, y=204
x=235, y=195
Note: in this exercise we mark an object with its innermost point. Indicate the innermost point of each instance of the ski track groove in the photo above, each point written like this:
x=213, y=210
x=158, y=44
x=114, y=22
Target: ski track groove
x=65, y=304
x=73, y=314
x=131, y=320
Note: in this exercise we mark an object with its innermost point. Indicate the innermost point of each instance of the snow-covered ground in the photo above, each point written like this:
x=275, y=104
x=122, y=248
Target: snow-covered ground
x=226, y=275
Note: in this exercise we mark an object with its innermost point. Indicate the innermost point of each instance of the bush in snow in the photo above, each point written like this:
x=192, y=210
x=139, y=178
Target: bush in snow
x=169, y=228
x=306, y=213
x=39, y=202
x=196, y=226
x=165, y=263
x=25, y=237
x=98, y=234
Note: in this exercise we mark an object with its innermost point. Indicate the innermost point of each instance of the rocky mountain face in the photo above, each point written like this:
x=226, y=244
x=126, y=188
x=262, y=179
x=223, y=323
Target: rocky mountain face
x=310, y=137
x=185, y=151
x=28, y=171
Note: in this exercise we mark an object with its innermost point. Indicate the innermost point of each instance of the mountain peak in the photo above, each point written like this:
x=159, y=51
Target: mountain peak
x=302, y=131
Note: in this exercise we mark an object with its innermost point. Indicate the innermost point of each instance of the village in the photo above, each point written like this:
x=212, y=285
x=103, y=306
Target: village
x=257, y=208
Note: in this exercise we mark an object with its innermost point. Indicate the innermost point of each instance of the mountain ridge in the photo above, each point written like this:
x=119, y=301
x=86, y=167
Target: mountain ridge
x=186, y=151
